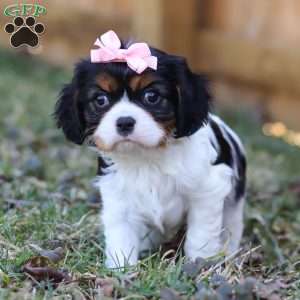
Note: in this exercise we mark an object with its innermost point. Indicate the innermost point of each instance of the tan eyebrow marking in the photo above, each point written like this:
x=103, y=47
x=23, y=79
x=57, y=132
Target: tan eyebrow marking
x=139, y=82
x=107, y=82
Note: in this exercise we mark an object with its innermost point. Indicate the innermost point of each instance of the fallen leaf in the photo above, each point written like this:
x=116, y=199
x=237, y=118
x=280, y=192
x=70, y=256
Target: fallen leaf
x=106, y=285
x=54, y=255
x=41, y=268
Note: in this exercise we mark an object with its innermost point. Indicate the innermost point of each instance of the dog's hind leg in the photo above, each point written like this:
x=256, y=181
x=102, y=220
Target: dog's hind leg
x=233, y=224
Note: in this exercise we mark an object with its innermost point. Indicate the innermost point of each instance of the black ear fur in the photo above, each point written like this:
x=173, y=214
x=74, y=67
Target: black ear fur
x=68, y=111
x=194, y=99
x=67, y=114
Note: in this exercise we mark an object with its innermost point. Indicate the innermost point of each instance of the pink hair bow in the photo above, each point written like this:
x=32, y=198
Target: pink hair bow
x=138, y=56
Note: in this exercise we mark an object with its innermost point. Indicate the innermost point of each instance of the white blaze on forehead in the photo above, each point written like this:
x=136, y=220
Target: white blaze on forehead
x=146, y=131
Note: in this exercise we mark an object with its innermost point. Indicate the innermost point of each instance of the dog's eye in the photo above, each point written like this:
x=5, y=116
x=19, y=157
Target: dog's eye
x=152, y=98
x=102, y=100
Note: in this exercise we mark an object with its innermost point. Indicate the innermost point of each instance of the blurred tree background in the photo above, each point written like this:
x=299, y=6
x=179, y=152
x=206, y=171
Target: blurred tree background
x=249, y=49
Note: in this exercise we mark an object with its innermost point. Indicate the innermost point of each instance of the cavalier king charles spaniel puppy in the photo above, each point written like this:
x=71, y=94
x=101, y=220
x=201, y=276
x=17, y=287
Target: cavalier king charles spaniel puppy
x=166, y=161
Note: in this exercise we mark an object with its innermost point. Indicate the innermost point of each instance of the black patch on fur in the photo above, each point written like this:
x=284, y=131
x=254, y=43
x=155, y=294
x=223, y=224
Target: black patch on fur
x=193, y=97
x=102, y=165
x=224, y=151
x=68, y=115
x=240, y=187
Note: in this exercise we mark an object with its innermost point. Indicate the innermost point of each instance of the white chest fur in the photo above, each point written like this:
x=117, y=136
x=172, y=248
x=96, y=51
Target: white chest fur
x=152, y=197
x=155, y=186
x=158, y=188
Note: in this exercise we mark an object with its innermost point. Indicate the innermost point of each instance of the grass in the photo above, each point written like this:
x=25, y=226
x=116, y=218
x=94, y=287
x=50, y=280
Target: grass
x=46, y=202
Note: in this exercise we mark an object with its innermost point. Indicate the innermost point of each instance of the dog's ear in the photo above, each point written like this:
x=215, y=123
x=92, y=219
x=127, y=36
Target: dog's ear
x=67, y=111
x=193, y=98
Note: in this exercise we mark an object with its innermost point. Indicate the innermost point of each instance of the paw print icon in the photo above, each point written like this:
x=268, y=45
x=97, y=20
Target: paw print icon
x=24, y=32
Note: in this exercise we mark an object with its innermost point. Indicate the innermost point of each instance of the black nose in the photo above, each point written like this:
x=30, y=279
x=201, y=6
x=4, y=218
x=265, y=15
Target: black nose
x=125, y=125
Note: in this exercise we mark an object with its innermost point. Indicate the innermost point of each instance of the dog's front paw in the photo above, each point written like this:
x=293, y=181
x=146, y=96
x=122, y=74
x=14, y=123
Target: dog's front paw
x=194, y=256
x=208, y=250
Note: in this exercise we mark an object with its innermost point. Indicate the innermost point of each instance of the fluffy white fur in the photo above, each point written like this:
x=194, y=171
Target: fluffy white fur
x=149, y=193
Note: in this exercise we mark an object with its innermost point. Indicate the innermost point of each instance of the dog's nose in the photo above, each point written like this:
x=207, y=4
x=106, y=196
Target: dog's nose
x=125, y=125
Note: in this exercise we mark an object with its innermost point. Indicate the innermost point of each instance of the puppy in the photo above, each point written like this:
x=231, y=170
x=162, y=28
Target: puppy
x=165, y=160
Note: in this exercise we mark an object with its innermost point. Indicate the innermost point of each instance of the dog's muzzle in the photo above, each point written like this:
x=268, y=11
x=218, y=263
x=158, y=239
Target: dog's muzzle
x=125, y=125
